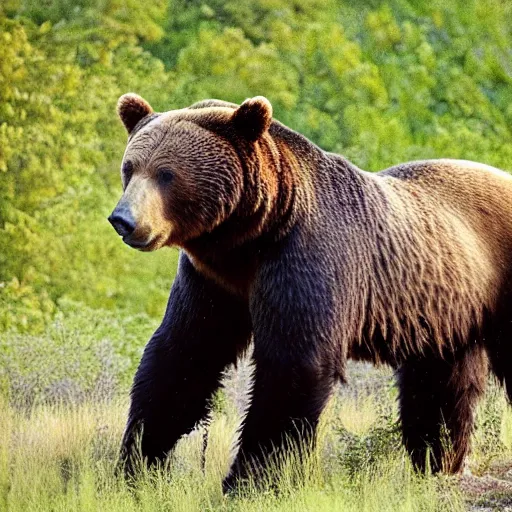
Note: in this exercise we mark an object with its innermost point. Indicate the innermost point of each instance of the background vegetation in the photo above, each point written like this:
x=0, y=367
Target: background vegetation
x=380, y=81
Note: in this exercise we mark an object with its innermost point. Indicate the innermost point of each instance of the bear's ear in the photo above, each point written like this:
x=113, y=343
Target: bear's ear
x=253, y=117
x=131, y=108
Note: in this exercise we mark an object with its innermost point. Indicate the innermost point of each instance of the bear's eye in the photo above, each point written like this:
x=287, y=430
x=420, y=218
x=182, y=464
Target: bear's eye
x=127, y=172
x=165, y=176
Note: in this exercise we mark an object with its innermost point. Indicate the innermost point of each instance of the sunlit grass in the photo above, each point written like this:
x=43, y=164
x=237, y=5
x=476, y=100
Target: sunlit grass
x=506, y=429
x=63, y=458
x=358, y=415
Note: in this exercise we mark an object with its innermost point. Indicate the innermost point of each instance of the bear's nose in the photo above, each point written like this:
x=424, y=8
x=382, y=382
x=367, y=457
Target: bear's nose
x=122, y=223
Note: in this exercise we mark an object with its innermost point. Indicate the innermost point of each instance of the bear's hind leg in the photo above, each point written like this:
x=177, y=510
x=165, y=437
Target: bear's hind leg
x=436, y=393
x=499, y=343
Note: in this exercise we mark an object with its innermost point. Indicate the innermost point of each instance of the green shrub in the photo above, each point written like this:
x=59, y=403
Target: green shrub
x=361, y=452
x=82, y=354
x=487, y=439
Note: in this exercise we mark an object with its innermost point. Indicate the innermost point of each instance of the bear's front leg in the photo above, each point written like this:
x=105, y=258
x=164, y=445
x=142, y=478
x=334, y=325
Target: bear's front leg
x=287, y=399
x=298, y=358
x=204, y=329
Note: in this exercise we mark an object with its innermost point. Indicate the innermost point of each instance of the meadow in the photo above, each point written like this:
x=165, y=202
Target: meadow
x=63, y=456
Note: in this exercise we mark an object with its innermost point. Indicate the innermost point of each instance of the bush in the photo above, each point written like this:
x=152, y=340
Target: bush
x=83, y=354
x=362, y=452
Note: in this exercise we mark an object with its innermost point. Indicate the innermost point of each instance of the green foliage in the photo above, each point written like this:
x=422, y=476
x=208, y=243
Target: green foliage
x=81, y=354
x=60, y=141
x=489, y=443
x=380, y=443
x=23, y=310
x=379, y=82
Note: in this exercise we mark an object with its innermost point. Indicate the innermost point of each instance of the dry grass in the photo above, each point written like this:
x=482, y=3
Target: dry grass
x=358, y=415
x=62, y=457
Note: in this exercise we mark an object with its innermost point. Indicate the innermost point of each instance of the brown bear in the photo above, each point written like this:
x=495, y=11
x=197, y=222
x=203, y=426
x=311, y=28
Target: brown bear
x=316, y=261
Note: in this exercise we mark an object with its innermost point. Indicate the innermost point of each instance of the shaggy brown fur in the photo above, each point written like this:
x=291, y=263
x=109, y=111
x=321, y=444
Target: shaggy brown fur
x=318, y=261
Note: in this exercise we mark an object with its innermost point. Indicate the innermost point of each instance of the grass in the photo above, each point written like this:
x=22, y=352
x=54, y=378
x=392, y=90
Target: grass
x=60, y=455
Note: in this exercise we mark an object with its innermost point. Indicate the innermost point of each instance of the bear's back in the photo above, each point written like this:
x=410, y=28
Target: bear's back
x=439, y=242
x=455, y=180
x=478, y=194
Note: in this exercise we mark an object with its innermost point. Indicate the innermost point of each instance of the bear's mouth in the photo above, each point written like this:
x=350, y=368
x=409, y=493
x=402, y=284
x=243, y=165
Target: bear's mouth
x=142, y=245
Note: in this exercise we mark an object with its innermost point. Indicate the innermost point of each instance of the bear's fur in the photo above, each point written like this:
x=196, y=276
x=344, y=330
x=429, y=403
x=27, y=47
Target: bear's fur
x=317, y=261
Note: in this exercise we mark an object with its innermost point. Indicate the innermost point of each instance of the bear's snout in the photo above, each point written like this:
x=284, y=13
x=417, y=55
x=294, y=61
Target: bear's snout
x=122, y=221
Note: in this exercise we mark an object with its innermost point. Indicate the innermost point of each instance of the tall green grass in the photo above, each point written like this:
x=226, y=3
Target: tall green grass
x=63, y=457
x=63, y=404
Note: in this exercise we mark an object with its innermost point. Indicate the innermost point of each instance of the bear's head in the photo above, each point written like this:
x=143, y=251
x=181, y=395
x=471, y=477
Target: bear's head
x=184, y=172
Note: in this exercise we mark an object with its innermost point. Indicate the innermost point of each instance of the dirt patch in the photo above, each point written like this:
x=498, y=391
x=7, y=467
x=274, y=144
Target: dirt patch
x=488, y=493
